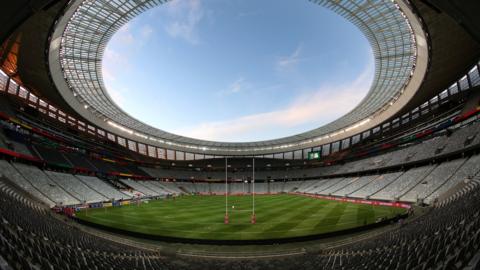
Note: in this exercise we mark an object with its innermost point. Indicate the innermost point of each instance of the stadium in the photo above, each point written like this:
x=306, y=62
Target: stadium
x=391, y=183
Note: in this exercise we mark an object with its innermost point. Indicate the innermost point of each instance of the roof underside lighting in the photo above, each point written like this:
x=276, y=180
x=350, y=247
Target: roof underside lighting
x=384, y=24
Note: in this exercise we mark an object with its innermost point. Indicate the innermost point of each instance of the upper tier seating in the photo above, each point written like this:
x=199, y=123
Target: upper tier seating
x=52, y=156
x=79, y=161
x=408, y=153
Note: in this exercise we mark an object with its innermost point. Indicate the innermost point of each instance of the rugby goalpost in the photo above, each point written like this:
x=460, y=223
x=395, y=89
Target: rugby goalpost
x=253, y=217
x=226, y=221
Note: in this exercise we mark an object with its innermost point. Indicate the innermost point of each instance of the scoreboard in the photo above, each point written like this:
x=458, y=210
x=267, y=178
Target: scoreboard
x=314, y=155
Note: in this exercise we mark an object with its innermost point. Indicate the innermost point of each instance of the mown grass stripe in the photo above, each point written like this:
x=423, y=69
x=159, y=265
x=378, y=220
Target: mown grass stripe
x=201, y=217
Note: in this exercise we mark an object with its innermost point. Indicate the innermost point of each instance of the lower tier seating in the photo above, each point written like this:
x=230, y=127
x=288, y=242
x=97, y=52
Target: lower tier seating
x=31, y=237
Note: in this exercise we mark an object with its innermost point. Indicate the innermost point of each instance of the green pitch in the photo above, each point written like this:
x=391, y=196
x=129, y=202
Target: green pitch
x=202, y=217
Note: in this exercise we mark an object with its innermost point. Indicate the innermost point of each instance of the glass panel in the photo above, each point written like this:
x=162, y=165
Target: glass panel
x=12, y=87
x=132, y=146
x=444, y=94
x=32, y=98
x=345, y=143
x=42, y=103
x=170, y=155
x=3, y=80
x=122, y=141
x=22, y=92
x=297, y=154
x=152, y=152
x=306, y=151
x=356, y=139
x=184, y=156
x=474, y=76
x=463, y=83
x=335, y=147
x=142, y=149
x=326, y=150
x=188, y=156
x=161, y=153
x=453, y=89
x=111, y=137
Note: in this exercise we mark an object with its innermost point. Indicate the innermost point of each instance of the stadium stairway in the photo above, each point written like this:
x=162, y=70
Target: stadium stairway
x=428, y=197
x=9, y=188
x=183, y=189
x=360, y=185
x=337, y=185
x=12, y=174
x=459, y=191
x=137, y=186
x=386, y=186
x=419, y=180
x=170, y=187
x=102, y=187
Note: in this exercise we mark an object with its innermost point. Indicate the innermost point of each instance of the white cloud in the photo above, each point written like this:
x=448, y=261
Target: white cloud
x=290, y=61
x=248, y=14
x=108, y=75
x=115, y=64
x=113, y=57
x=185, y=16
x=237, y=86
x=146, y=31
x=318, y=107
x=118, y=95
x=125, y=35
x=132, y=35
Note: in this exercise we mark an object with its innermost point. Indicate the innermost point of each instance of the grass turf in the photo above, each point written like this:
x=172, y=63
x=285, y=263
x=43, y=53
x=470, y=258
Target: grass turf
x=202, y=217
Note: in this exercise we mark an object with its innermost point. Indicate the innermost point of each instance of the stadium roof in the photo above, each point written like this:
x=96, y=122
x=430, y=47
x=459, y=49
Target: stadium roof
x=395, y=33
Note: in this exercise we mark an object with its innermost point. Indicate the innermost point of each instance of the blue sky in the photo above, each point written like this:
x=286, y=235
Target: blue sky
x=238, y=70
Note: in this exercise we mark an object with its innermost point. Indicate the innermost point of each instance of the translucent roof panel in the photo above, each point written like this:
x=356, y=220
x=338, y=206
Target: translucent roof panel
x=94, y=22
